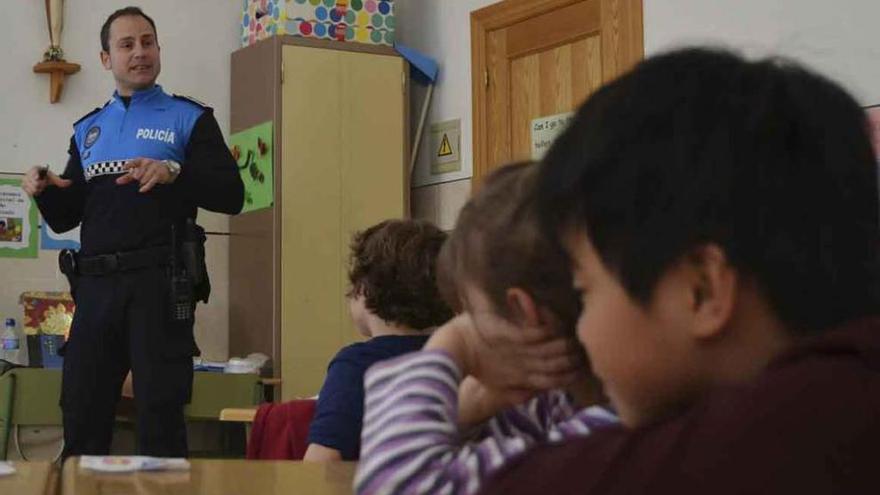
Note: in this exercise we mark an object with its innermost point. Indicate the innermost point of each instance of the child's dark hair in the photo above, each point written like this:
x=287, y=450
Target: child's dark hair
x=766, y=159
x=393, y=265
x=127, y=11
x=497, y=244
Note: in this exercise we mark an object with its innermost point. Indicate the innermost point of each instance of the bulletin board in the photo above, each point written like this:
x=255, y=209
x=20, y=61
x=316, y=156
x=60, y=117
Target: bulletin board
x=253, y=151
x=19, y=236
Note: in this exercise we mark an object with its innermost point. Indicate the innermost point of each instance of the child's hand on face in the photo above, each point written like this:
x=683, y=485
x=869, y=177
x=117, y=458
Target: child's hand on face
x=477, y=402
x=509, y=359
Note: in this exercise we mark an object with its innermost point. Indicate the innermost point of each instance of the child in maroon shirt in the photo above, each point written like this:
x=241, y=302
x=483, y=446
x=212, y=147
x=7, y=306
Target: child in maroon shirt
x=722, y=220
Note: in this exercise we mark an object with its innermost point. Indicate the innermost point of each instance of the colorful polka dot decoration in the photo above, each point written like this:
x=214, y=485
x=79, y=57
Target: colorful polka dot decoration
x=364, y=21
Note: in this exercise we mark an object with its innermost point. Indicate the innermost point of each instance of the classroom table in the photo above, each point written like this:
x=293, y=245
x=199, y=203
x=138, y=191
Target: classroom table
x=220, y=477
x=31, y=478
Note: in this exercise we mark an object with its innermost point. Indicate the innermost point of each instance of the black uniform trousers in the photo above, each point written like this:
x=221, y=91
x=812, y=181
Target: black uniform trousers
x=120, y=323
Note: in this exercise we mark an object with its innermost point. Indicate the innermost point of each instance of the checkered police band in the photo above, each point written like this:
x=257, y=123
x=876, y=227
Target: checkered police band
x=105, y=168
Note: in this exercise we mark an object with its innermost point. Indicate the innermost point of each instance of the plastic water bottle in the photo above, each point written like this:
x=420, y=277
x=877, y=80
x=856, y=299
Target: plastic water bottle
x=10, y=341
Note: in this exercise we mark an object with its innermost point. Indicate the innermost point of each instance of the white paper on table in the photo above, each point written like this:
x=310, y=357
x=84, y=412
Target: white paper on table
x=131, y=463
x=6, y=468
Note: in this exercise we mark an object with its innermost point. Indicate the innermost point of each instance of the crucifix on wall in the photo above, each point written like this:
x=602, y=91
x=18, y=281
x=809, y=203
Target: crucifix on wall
x=53, y=60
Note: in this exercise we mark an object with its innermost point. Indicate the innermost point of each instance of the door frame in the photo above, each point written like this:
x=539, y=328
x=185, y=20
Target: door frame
x=501, y=15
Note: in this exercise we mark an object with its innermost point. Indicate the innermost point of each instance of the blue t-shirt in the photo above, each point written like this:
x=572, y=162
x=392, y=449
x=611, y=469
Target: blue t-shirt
x=340, y=409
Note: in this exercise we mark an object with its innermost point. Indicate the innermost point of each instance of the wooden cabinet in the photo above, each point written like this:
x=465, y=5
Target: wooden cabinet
x=340, y=123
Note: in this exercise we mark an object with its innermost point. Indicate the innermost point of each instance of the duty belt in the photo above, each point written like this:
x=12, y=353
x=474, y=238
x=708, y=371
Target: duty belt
x=105, y=264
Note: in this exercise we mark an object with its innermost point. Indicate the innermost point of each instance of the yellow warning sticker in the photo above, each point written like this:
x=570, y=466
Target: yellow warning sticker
x=445, y=147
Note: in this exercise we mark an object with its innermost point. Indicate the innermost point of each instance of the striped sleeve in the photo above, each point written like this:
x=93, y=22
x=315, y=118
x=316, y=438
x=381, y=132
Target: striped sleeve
x=548, y=418
x=411, y=443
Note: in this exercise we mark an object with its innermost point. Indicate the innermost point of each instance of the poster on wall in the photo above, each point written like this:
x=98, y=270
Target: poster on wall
x=18, y=221
x=253, y=152
x=545, y=130
x=51, y=240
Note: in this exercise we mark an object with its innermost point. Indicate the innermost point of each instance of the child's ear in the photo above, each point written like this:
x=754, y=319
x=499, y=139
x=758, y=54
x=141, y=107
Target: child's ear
x=522, y=307
x=713, y=290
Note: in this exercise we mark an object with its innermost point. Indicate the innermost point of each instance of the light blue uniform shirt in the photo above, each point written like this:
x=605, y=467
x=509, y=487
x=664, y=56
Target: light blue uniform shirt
x=155, y=125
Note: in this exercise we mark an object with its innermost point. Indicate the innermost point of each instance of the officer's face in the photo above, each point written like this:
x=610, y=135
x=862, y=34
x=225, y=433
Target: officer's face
x=134, y=54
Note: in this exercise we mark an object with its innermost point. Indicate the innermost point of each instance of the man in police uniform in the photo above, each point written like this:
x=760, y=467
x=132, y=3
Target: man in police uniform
x=140, y=164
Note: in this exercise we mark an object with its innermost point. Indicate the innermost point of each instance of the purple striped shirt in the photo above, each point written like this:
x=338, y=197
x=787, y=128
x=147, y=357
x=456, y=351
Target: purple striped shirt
x=411, y=443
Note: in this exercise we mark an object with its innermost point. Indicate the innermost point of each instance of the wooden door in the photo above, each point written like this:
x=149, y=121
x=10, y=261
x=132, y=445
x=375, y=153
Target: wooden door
x=538, y=58
x=343, y=169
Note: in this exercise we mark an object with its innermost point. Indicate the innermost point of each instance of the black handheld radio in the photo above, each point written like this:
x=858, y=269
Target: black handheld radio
x=183, y=305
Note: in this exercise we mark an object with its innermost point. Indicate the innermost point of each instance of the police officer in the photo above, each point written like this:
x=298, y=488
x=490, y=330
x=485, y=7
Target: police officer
x=138, y=166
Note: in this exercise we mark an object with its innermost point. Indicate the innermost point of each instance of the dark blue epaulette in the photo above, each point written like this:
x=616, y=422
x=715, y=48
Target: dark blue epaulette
x=93, y=112
x=193, y=101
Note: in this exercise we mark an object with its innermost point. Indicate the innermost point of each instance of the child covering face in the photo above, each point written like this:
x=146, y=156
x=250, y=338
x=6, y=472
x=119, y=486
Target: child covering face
x=505, y=357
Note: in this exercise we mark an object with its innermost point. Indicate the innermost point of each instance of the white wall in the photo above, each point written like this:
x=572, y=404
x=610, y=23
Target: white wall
x=441, y=29
x=196, y=36
x=836, y=38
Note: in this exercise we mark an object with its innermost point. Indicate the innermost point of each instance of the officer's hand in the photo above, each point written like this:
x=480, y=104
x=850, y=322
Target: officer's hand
x=38, y=178
x=147, y=172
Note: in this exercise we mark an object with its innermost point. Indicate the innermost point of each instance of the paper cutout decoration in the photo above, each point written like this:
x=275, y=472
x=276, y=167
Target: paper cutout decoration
x=18, y=221
x=51, y=240
x=253, y=152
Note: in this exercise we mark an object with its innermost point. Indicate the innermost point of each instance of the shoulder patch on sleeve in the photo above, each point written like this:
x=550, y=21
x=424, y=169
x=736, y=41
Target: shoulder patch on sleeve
x=93, y=112
x=193, y=101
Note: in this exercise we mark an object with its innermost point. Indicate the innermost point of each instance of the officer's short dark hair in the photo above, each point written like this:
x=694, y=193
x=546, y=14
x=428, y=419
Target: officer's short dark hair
x=394, y=266
x=766, y=159
x=127, y=11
